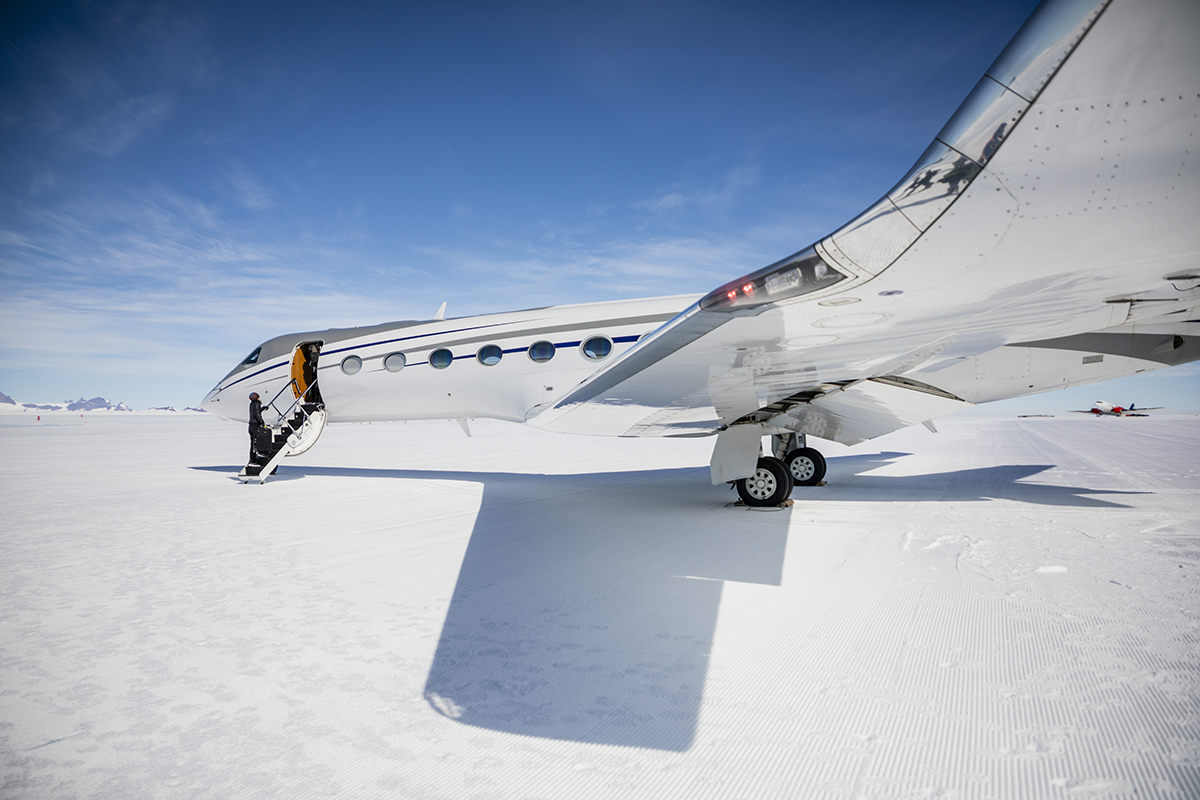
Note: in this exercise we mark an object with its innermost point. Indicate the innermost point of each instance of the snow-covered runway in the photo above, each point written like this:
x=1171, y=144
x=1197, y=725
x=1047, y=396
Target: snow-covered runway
x=1006, y=609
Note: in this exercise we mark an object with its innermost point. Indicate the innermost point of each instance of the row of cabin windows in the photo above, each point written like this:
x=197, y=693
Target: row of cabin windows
x=595, y=348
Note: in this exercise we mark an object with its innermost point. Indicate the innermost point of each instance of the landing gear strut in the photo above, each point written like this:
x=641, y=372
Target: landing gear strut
x=790, y=463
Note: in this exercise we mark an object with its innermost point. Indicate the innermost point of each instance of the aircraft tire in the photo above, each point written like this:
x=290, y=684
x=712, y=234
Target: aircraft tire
x=770, y=484
x=806, y=466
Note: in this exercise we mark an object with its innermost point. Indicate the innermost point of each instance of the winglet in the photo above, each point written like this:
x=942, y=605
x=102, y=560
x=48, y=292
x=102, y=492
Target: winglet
x=441, y=314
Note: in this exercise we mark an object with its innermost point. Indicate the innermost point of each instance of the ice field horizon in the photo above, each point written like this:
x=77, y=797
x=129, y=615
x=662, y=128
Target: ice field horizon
x=1007, y=608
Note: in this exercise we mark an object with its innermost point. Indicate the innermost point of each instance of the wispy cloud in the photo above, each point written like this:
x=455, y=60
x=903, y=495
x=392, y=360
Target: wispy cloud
x=108, y=131
x=737, y=181
x=579, y=269
x=148, y=288
x=248, y=190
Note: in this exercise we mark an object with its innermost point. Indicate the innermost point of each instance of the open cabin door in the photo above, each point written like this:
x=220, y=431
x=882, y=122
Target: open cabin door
x=304, y=371
x=299, y=423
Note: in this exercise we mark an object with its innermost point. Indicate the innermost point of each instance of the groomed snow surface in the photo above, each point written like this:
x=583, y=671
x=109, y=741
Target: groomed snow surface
x=1007, y=609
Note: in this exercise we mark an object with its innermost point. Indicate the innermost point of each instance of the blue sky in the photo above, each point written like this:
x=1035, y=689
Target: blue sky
x=180, y=182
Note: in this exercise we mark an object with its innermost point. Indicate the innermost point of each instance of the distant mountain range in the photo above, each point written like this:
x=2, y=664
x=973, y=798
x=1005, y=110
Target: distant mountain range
x=95, y=404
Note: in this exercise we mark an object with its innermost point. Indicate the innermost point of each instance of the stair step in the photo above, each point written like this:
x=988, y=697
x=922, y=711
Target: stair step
x=288, y=440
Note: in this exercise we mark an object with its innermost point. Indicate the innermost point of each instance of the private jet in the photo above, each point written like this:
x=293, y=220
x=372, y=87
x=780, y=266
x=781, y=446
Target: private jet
x=1048, y=237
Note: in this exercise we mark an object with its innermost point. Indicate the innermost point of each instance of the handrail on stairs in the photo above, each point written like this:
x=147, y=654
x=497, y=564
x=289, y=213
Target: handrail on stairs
x=297, y=402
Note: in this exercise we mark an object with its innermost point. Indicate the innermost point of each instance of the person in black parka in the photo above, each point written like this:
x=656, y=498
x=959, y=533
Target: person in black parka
x=256, y=423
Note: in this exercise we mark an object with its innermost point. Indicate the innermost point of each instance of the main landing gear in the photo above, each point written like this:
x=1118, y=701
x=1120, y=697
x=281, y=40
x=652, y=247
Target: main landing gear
x=774, y=478
x=806, y=465
x=770, y=484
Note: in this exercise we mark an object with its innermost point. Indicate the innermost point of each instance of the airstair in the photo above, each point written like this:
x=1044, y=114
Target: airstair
x=295, y=431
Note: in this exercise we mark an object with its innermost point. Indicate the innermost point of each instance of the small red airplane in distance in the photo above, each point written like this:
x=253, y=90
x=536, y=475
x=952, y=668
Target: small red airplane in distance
x=1102, y=408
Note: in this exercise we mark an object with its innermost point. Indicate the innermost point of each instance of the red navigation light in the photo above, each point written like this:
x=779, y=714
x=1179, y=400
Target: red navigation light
x=792, y=277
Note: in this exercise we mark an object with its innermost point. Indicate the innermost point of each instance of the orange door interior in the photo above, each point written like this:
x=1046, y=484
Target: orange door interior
x=300, y=356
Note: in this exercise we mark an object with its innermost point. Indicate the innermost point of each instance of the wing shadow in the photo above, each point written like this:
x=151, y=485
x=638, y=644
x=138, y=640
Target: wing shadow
x=586, y=605
x=1005, y=482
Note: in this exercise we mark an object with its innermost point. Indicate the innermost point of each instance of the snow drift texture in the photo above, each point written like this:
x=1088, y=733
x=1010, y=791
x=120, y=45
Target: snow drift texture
x=1006, y=609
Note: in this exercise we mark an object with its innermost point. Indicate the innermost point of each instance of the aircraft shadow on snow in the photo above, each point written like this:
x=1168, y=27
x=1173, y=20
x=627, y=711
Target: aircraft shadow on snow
x=586, y=605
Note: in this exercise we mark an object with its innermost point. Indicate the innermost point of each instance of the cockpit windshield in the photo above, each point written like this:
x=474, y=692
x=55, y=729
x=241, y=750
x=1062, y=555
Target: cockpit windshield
x=252, y=358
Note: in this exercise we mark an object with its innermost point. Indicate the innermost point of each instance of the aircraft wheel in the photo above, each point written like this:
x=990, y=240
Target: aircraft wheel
x=806, y=465
x=770, y=484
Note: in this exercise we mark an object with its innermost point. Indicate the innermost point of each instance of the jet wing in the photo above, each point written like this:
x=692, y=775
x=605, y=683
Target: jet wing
x=1063, y=190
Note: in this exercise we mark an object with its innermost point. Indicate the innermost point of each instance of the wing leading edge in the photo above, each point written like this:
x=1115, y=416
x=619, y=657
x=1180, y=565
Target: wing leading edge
x=1059, y=200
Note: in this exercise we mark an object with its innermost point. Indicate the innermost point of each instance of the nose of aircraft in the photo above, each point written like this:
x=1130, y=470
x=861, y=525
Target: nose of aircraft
x=212, y=403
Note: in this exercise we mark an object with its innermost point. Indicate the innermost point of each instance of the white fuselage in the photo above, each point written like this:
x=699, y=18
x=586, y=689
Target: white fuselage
x=359, y=383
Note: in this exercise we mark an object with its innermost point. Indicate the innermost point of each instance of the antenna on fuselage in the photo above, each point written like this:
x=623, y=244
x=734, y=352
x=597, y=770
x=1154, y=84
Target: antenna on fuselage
x=441, y=314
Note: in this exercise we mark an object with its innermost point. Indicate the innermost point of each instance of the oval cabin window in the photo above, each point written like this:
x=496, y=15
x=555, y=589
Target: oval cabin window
x=440, y=359
x=395, y=362
x=597, y=347
x=351, y=365
x=541, y=352
x=489, y=355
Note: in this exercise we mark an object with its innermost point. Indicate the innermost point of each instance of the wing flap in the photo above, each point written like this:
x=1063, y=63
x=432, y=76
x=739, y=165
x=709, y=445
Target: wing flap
x=866, y=409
